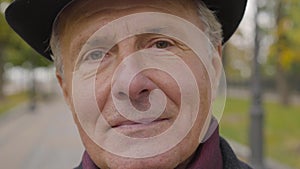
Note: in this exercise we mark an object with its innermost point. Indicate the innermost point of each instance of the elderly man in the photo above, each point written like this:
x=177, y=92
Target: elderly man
x=140, y=77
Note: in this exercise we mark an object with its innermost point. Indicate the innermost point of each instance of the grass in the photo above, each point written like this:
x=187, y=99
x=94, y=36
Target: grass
x=282, y=124
x=11, y=101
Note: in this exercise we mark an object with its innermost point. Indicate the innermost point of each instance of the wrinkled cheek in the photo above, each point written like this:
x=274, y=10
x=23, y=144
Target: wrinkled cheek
x=204, y=87
x=203, y=81
x=102, y=91
x=200, y=72
x=167, y=84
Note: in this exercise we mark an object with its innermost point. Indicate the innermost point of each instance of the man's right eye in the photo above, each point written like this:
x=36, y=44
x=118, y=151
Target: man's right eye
x=94, y=55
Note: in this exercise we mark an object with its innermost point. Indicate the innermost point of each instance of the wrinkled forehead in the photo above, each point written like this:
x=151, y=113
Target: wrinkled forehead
x=78, y=10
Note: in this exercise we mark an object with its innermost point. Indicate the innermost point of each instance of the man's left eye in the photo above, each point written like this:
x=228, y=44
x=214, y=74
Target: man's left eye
x=162, y=44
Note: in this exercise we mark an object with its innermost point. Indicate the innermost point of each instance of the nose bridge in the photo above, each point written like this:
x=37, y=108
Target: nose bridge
x=129, y=81
x=126, y=47
x=126, y=67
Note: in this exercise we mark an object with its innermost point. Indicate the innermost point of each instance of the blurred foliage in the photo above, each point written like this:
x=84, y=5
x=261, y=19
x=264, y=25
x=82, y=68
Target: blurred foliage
x=285, y=50
x=14, y=50
x=279, y=31
x=237, y=61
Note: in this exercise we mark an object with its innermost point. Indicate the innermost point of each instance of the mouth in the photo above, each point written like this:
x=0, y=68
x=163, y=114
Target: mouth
x=142, y=130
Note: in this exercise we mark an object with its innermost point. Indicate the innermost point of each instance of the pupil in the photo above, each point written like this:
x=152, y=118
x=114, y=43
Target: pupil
x=162, y=44
x=96, y=55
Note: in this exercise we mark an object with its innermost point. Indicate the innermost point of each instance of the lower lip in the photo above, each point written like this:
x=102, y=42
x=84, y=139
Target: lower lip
x=126, y=128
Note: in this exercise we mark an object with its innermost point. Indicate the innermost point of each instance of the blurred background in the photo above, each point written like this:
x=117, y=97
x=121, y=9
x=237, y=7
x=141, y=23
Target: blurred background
x=261, y=118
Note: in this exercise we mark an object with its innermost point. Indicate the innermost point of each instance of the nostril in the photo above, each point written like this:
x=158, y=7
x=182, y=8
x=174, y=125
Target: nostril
x=140, y=100
x=144, y=91
x=143, y=94
x=122, y=95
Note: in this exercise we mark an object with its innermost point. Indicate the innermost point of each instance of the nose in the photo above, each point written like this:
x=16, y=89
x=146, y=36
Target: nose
x=138, y=90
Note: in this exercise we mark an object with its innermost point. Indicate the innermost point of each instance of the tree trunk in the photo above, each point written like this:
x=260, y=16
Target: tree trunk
x=256, y=134
x=282, y=86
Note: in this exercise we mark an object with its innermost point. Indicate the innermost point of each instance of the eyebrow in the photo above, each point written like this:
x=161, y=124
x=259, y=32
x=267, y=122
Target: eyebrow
x=102, y=40
x=157, y=30
x=166, y=30
x=106, y=41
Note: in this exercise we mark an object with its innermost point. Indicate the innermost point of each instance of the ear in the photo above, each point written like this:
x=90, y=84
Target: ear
x=218, y=68
x=220, y=50
x=63, y=87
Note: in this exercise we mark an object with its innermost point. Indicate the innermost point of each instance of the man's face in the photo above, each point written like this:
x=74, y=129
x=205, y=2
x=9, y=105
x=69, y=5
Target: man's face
x=107, y=70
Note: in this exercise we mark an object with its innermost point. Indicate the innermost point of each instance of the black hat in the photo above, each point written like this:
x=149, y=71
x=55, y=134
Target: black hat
x=33, y=19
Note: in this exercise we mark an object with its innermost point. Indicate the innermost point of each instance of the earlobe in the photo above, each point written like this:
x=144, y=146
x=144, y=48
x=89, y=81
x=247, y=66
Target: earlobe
x=63, y=87
x=220, y=51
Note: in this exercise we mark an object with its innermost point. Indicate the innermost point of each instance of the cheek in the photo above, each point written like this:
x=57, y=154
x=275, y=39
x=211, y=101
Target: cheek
x=204, y=86
x=199, y=71
x=199, y=74
x=205, y=89
x=167, y=84
x=102, y=90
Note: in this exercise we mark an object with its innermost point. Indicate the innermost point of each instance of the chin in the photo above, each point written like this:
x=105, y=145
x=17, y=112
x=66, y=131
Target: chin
x=168, y=160
x=176, y=157
x=164, y=161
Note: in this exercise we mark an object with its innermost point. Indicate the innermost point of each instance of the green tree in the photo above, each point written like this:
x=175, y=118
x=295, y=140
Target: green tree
x=284, y=53
x=4, y=38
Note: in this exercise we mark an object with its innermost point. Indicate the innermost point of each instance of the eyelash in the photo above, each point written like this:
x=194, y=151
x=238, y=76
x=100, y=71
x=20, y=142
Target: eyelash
x=154, y=42
x=87, y=55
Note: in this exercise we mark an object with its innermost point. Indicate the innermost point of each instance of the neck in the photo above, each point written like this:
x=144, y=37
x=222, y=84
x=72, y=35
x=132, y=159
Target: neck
x=185, y=164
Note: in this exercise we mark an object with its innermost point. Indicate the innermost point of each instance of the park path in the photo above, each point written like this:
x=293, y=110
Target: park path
x=44, y=139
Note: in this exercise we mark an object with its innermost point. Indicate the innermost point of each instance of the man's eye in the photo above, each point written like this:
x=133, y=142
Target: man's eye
x=95, y=55
x=162, y=44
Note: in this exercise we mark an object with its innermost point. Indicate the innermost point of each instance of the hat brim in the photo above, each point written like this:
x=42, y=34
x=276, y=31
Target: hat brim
x=33, y=19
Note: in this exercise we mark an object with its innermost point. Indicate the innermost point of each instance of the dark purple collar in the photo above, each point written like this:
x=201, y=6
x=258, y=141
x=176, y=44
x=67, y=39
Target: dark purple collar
x=207, y=155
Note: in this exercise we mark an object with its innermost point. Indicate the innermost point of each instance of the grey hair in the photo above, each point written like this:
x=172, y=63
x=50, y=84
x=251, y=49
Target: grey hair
x=56, y=52
x=213, y=29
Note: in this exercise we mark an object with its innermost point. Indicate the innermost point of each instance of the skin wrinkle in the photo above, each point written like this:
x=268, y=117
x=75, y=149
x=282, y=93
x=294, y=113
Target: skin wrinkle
x=146, y=38
x=66, y=26
x=104, y=159
x=211, y=26
x=83, y=40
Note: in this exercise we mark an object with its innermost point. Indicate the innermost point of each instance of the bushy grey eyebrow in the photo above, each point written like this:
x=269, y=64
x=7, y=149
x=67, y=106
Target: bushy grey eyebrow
x=103, y=40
